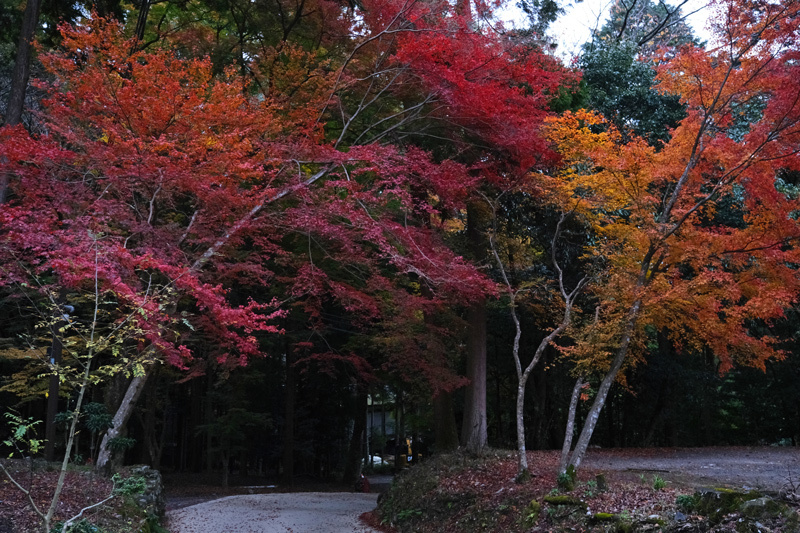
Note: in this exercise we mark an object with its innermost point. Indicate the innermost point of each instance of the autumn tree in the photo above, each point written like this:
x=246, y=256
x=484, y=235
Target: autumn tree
x=672, y=261
x=191, y=186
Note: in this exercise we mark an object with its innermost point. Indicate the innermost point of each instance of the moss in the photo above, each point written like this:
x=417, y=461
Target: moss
x=624, y=527
x=716, y=503
x=762, y=507
x=560, y=499
x=532, y=513
x=604, y=517
x=792, y=524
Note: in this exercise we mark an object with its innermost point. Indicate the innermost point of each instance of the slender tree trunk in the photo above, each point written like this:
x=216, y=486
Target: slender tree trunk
x=602, y=393
x=72, y=431
x=225, y=456
x=141, y=21
x=52, y=398
x=121, y=418
x=290, y=396
x=568, y=434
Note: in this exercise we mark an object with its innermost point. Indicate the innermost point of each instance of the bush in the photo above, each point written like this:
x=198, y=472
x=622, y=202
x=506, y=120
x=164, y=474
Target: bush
x=129, y=486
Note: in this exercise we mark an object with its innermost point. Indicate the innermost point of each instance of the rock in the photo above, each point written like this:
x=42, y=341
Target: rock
x=680, y=517
x=716, y=503
x=760, y=507
x=152, y=500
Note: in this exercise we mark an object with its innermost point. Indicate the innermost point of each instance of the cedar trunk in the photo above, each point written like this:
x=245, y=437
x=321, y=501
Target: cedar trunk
x=474, y=435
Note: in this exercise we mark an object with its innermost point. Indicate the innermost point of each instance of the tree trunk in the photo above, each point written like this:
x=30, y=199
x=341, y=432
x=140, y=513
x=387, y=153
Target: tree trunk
x=52, y=398
x=602, y=393
x=474, y=431
x=352, y=468
x=22, y=66
x=225, y=456
x=568, y=434
x=446, y=432
x=153, y=439
x=141, y=21
x=474, y=435
x=19, y=78
x=121, y=418
x=290, y=397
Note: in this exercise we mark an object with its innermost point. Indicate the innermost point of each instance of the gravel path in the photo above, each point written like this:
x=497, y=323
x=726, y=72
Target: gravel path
x=764, y=468
x=299, y=512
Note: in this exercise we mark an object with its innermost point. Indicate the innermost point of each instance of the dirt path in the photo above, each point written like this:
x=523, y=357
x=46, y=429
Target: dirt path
x=763, y=468
x=299, y=512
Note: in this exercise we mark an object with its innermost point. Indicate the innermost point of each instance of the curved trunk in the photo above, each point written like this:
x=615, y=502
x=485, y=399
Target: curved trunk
x=602, y=393
x=568, y=434
x=118, y=422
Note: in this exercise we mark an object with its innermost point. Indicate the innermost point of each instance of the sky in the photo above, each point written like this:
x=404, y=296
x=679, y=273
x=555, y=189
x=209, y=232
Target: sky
x=575, y=26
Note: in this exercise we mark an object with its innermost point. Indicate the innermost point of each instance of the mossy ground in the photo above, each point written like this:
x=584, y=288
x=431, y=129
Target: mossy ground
x=459, y=493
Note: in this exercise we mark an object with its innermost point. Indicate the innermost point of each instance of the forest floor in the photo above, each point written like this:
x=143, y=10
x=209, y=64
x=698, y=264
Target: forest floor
x=643, y=490
x=769, y=469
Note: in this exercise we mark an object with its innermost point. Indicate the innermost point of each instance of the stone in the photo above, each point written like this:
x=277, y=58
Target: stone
x=760, y=507
x=152, y=500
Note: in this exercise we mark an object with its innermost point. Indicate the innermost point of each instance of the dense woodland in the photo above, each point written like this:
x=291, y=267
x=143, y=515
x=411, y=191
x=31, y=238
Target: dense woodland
x=273, y=237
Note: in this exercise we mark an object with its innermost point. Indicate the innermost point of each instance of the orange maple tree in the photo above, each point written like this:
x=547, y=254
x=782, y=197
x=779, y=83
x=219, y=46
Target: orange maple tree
x=699, y=239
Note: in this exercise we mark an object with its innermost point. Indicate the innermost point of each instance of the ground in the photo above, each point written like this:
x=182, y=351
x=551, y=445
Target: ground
x=643, y=487
x=630, y=472
x=767, y=468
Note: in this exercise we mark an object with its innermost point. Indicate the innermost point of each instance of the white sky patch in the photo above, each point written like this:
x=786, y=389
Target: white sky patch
x=575, y=26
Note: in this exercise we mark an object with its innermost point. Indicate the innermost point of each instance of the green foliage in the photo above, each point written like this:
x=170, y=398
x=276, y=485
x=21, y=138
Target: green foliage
x=23, y=436
x=97, y=417
x=620, y=86
x=658, y=482
x=120, y=444
x=405, y=514
x=566, y=480
x=532, y=513
x=129, y=486
x=686, y=502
